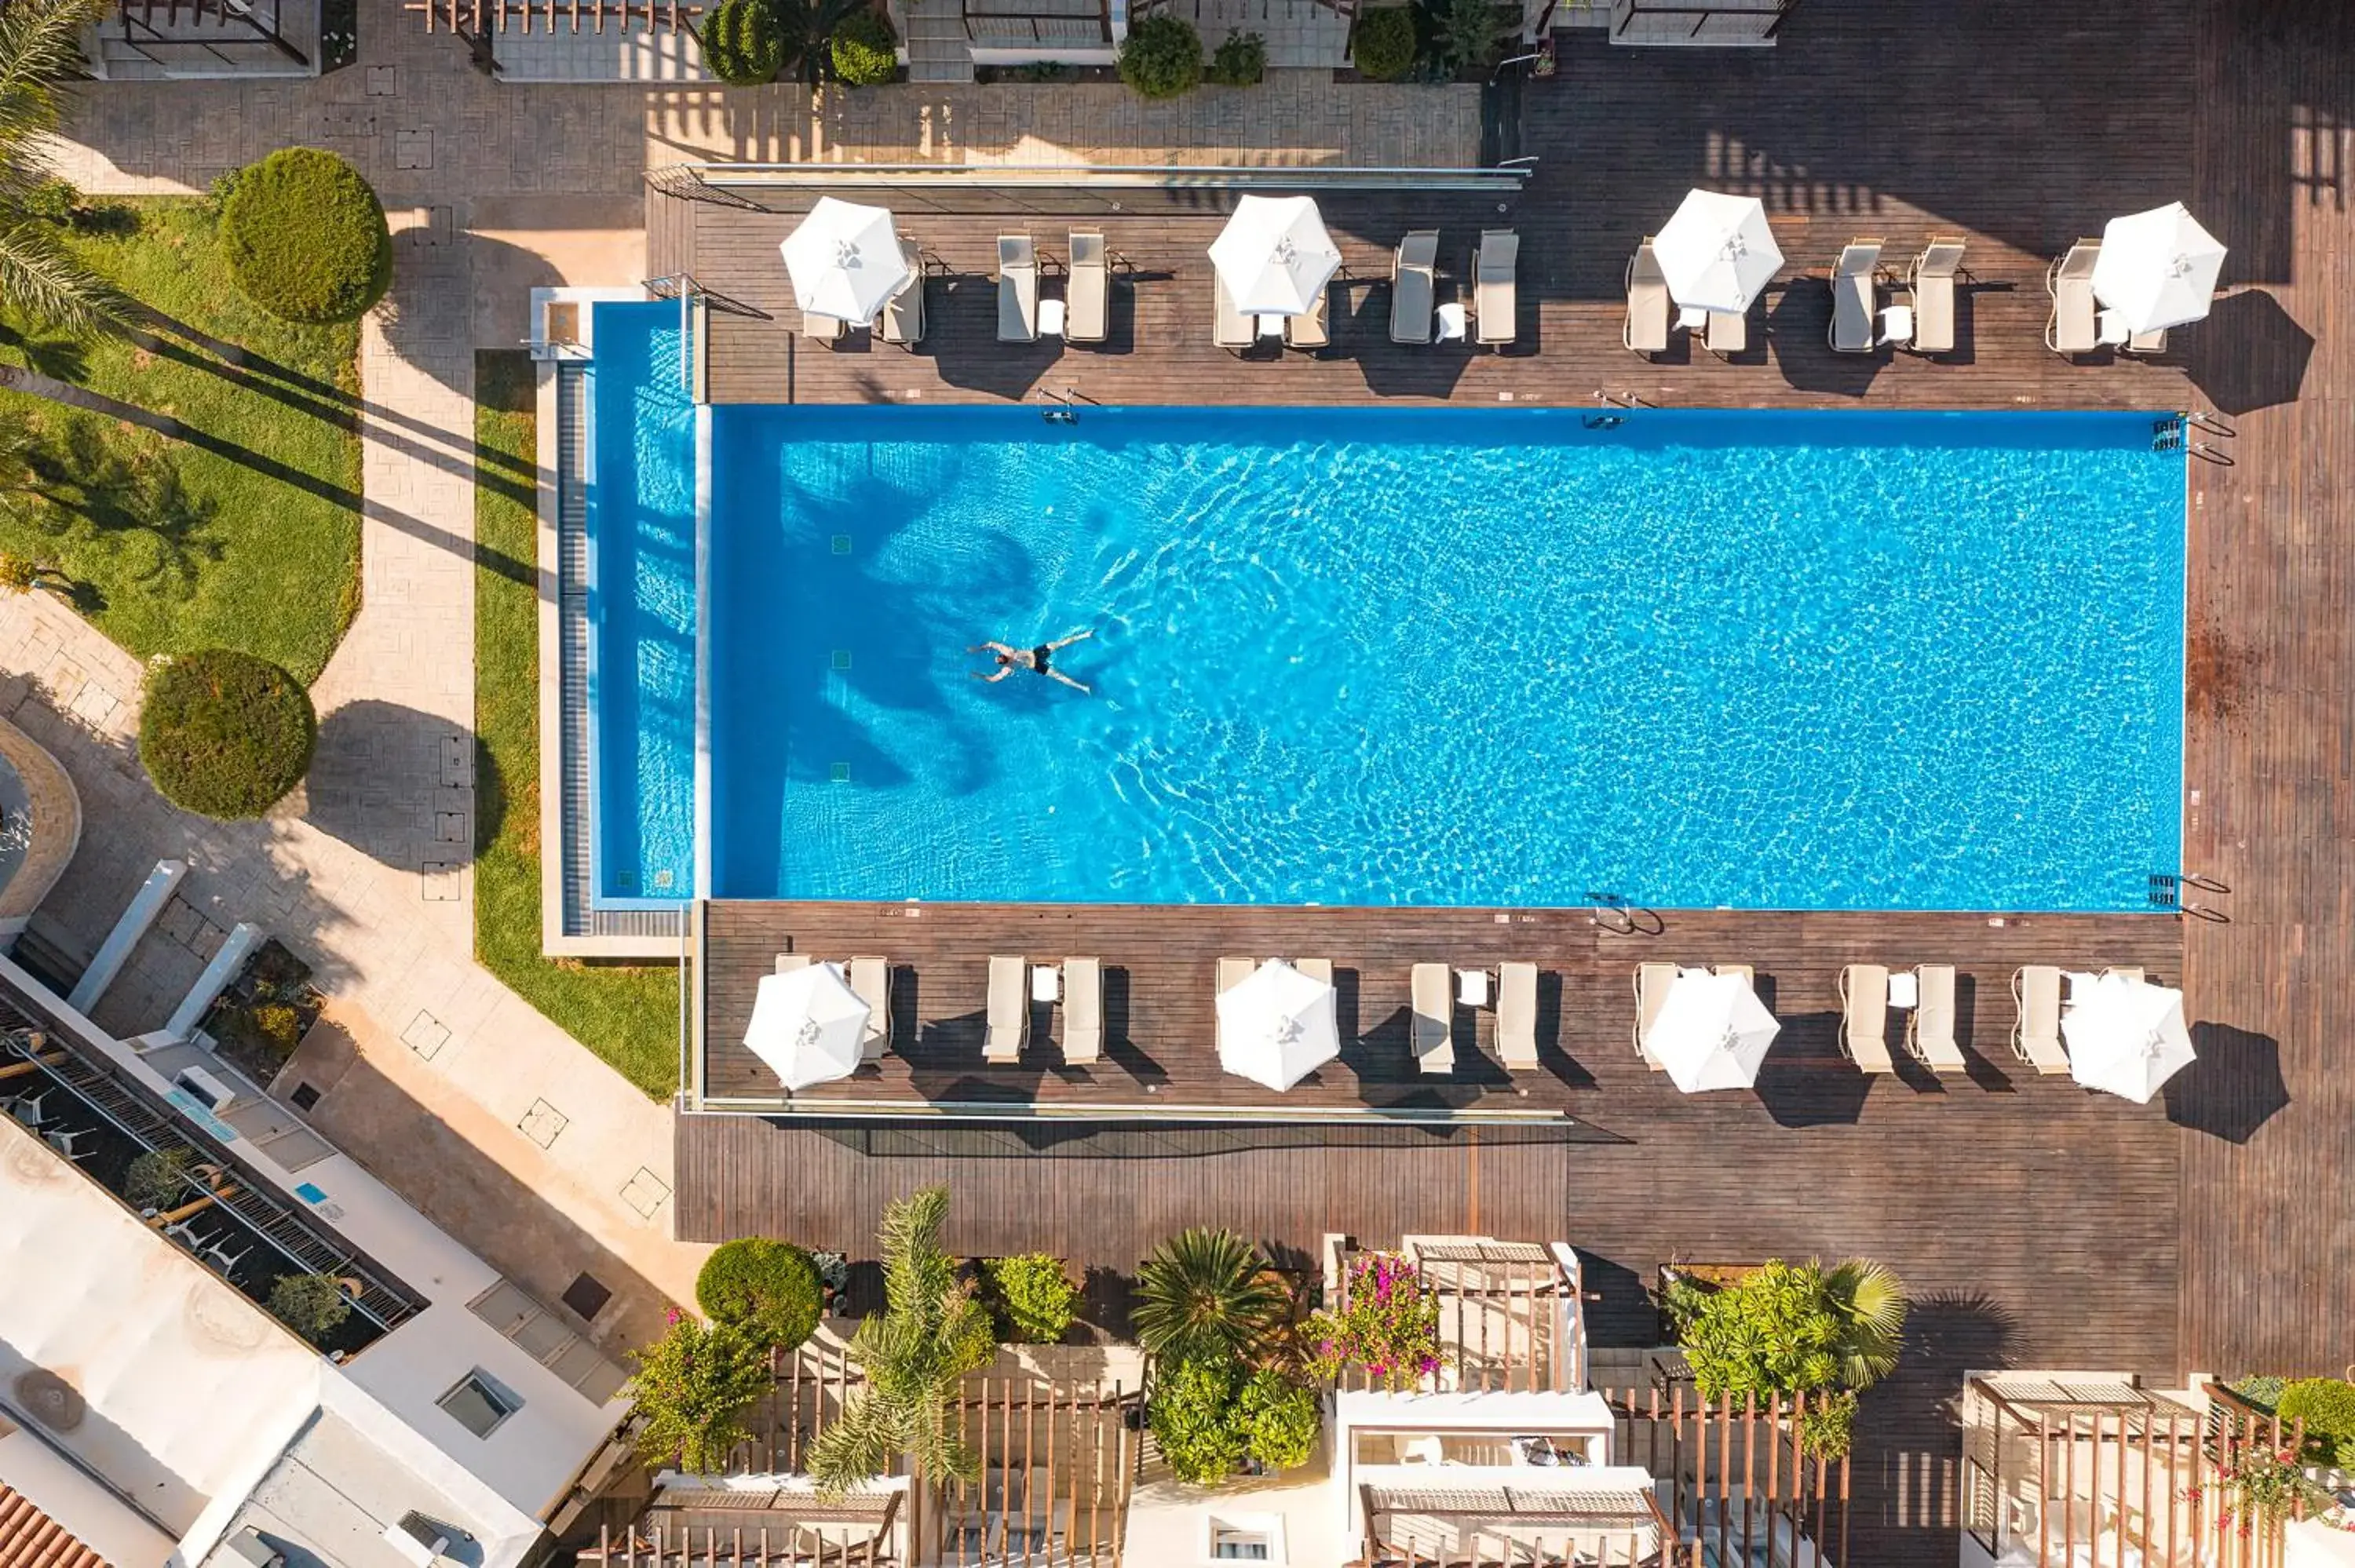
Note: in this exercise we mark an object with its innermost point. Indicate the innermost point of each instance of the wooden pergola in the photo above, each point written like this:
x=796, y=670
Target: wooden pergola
x=482, y=18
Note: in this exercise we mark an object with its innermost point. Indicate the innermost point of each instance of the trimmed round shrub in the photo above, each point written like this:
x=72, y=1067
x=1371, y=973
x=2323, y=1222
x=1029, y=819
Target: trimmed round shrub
x=1163, y=56
x=2326, y=1406
x=305, y=236
x=863, y=50
x=768, y=1288
x=744, y=42
x=1280, y=1420
x=1034, y=1294
x=224, y=734
x=1239, y=60
x=1383, y=46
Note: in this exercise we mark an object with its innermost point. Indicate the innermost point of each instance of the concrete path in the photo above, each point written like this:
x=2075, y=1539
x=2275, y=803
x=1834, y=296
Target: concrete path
x=493, y=189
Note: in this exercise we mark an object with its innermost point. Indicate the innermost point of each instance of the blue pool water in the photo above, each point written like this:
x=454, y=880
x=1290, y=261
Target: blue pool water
x=1425, y=657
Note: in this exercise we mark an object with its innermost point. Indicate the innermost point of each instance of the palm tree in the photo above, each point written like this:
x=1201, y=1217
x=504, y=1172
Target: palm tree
x=809, y=28
x=1869, y=1302
x=1207, y=1295
x=40, y=47
x=932, y=1335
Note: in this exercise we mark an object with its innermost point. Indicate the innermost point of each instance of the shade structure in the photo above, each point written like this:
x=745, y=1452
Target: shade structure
x=1277, y=1026
x=844, y=261
x=2125, y=1036
x=808, y=1025
x=1717, y=252
x=1274, y=255
x=1712, y=1033
x=2158, y=269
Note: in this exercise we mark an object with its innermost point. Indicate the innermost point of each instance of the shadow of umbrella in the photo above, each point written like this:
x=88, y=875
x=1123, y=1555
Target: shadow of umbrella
x=2248, y=354
x=2236, y=1086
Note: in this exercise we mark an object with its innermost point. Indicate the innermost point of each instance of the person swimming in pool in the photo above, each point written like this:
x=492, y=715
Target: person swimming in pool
x=1039, y=660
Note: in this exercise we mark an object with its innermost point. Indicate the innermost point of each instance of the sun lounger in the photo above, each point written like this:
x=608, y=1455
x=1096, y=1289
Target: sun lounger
x=2036, y=1037
x=1931, y=282
x=1517, y=1016
x=903, y=314
x=1017, y=289
x=822, y=329
x=1311, y=331
x=1728, y=333
x=1316, y=969
x=1494, y=293
x=870, y=980
x=1230, y=328
x=1856, y=297
x=1082, y=1010
x=1232, y=973
x=2146, y=343
x=1009, y=1011
x=1930, y=1029
x=2132, y=973
x=1414, y=286
x=1864, y=1017
x=1087, y=293
x=2071, y=327
x=1749, y=976
x=1648, y=309
x=1435, y=1013
x=1652, y=983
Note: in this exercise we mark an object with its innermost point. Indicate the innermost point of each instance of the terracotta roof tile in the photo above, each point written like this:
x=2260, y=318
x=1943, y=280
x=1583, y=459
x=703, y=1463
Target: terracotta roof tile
x=31, y=1538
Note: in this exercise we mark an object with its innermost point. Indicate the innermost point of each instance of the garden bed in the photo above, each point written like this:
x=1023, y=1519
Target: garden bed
x=245, y=533
x=259, y=1019
x=627, y=1015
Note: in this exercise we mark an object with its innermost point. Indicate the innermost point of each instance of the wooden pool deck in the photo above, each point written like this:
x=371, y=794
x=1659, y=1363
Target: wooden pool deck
x=2035, y=1225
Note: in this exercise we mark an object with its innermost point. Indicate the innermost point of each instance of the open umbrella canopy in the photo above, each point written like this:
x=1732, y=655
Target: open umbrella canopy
x=844, y=261
x=1274, y=255
x=1712, y=1033
x=1717, y=253
x=2125, y=1036
x=808, y=1025
x=2158, y=269
x=1277, y=1026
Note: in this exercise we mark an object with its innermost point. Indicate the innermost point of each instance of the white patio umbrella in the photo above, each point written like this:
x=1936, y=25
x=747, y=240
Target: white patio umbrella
x=844, y=261
x=808, y=1025
x=1274, y=255
x=1277, y=1026
x=1713, y=1032
x=2125, y=1036
x=2158, y=269
x=1718, y=252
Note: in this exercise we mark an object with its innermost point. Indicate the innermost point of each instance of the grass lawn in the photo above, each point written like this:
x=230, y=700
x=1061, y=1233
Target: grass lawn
x=627, y=1015
x=245, y=536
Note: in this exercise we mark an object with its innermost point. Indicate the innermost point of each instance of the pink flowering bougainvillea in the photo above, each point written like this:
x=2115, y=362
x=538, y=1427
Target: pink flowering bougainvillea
x=2259, y=1488
x=1388, y=1323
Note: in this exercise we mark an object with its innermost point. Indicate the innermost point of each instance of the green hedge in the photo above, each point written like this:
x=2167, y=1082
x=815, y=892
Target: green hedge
x=2326, y=1406
x=863, y=50
x=1241, y=60
x=744, y=42
x=770, y=1289
x=224, y=734
x=1034, y=1294
x=1163, y=56
x=305, y=238
x=1383, y=47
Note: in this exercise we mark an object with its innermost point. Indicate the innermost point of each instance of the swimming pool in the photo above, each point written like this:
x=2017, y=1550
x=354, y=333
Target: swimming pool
x=1391, y=657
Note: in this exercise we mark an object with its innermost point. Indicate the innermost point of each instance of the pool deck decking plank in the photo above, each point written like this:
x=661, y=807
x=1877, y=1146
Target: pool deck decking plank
x=1160, y=1018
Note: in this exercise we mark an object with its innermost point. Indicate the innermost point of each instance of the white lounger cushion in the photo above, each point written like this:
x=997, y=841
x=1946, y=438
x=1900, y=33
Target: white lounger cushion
x=1931, y=1030
x=1009, y=1011
x=1864, y=1016
x=2036, y=1034
x=1517, y=1016
x=1433, y=1014
x=1082, y=1010
x=870, y=981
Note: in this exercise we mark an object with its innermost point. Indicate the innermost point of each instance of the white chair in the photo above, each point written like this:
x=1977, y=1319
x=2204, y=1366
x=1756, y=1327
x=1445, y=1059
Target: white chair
x=1864, y=1017
x=1017, y=289
x=1009, y=1023
x=1082, y=1010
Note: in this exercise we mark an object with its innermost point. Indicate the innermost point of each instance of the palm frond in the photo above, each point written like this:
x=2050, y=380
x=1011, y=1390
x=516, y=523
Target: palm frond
x=1207, y=1295
x=40, y=46
x=41, y=279
x=1870, y=1300
x=857, y=1445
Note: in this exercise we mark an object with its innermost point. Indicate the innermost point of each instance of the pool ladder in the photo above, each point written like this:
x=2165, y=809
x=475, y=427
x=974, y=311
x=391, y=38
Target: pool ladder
x=1063, y=408
x=2167, y=893
x=2173, y=434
